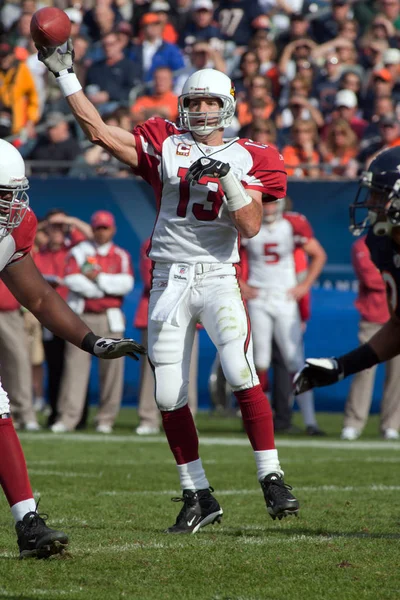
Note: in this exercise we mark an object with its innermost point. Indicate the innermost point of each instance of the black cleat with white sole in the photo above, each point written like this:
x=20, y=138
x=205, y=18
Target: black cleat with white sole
x=280, y=502
x=199, y=509
x=36, y=540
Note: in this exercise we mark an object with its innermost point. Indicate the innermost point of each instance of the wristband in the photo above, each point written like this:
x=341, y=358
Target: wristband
x=236, y=196
x=68, y=82
x=357, y=360
x=89, y=341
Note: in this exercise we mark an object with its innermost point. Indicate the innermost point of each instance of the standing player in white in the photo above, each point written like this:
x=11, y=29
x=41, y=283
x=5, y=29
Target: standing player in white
x=20, y=274
x=207, y=191
x=273, y=292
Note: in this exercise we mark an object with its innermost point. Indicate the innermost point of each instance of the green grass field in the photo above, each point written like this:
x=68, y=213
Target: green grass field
x=112, y=496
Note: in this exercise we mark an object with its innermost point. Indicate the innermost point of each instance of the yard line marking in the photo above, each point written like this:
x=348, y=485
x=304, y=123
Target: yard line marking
x=66, y=474
x=210, y=441
x=303, y=488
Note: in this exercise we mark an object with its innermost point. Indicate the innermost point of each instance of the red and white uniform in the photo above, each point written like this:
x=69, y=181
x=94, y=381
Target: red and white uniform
x=13, y=248
x=272, y=269
x=19, y=242
x=114, y=281
x=195, y=248
x=188, y=216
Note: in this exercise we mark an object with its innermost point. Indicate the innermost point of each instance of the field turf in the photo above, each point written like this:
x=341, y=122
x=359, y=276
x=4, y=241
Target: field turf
x=111, y=494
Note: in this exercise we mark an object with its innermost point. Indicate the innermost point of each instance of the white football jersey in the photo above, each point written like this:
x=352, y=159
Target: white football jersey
x=193, y=223
x=18, y=243
x=270, y=253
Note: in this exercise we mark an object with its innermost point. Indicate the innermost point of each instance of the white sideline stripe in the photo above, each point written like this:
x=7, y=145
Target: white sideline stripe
x=66, y=473
x=37, y=592
x=210, y=441
x=303, y=488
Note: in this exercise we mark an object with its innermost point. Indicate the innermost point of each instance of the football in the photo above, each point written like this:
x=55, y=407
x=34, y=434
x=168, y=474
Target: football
x=50, y=27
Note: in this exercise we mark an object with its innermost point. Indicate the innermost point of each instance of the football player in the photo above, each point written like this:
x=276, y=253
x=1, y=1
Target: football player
x=380, y=215
x=274, y=293
x=208, y=191
x=19, y=273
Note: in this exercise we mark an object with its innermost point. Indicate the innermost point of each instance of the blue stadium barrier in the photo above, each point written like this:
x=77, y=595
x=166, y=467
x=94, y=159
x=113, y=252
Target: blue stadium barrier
x=333, y=327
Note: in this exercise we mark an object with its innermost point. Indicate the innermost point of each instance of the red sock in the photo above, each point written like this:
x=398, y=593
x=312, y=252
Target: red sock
x=263, y=377
x=14, y=477
x=181, y=434
x=257, y=417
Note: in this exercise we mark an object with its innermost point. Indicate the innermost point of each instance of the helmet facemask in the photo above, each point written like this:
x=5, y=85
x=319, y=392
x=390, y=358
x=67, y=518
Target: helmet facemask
x=14, y=202
x=203, y=123
x=376, y=205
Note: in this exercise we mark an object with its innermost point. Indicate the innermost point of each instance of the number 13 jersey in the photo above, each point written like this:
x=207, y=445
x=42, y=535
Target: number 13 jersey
x=193, y=223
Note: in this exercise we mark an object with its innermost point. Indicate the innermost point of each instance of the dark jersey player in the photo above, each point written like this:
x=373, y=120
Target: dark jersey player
x=380, y=214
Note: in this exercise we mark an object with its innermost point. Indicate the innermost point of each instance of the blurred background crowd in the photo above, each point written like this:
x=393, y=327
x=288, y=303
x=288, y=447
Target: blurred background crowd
x=318, y=79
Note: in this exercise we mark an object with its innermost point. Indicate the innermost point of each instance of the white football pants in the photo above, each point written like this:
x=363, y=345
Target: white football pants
x=214, y=299
x=273, y=315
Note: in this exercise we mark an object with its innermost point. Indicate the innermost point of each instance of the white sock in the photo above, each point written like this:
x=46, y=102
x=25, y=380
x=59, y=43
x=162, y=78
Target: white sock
x=192, y=476
x=306, y=404
x=20, y=509
x=267, y=462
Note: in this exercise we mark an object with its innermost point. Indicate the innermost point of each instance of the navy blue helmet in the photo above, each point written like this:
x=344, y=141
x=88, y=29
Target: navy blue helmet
x=382, y=176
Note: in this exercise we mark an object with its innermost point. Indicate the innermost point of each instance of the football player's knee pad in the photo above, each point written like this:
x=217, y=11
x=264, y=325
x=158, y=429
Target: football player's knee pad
x=237, y=366
x=171, y=389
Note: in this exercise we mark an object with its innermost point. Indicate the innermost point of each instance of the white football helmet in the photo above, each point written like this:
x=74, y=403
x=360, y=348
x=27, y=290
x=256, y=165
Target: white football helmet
x=208, y=83
x=273, y=210
x=14, y=200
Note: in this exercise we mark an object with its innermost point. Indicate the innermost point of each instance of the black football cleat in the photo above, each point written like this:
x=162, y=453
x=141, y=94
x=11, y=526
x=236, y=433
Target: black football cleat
x=280, y=502
x=37, y=540
x=199, y=509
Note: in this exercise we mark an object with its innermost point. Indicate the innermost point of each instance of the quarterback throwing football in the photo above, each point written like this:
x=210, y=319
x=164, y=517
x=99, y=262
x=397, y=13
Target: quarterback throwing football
x=19, y=273
x=208, y=190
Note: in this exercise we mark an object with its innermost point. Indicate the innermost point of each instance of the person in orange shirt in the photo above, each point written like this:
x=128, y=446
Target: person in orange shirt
x=303, y=150
x=161, y=8
x=340, y=149
x=162, y=102
x=17, y=89
x=259, y=88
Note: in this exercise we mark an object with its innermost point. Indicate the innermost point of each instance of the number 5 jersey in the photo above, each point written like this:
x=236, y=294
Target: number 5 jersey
x=193, y=224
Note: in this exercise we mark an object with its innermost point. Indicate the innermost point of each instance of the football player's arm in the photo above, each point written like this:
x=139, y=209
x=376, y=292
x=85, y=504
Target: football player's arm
x=247, y=219
x=30, y=289
x=117, y=141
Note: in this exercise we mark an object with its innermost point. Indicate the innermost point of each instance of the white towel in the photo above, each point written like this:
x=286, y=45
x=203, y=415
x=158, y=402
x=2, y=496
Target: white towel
x=179, y=281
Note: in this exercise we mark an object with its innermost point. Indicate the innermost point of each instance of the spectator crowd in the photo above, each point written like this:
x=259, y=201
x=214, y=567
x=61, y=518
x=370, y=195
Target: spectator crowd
x=319, y=80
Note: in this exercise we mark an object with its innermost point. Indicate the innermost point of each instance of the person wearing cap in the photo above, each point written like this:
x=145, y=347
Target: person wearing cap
x=152, y=51
x=56, y=145
x=202, y=26
x=98, y=275
x=17, y=89
x=63, y=232
x=76, y=18
x=161, y=8
x=346, y=105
